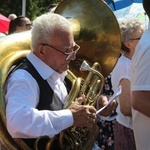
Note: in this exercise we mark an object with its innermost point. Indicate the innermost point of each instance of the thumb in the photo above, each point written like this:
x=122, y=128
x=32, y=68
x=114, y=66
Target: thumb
x=80, y=99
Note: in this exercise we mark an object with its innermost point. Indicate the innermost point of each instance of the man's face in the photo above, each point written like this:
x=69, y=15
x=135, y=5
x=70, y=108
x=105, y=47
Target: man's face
x=56, y=51
x=25, y=26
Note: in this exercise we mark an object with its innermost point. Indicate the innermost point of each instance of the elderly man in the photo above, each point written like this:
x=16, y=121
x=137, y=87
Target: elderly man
x=36, y=90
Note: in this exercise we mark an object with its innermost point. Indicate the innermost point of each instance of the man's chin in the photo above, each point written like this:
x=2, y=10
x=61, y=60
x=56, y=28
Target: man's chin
x=65, y=69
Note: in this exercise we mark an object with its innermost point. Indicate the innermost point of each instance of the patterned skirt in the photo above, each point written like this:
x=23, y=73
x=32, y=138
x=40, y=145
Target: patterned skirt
x=123, y=138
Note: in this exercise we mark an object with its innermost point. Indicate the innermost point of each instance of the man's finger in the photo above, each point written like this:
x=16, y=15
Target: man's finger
x=80, y=99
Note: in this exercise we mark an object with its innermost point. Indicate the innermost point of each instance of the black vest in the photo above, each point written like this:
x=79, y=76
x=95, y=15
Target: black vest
x=47, y=99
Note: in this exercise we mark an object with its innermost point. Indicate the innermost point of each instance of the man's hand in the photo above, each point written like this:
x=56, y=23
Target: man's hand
x=83, y=115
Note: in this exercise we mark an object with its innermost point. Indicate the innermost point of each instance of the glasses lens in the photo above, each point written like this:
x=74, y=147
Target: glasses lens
x=74, y=52
x=70, y=55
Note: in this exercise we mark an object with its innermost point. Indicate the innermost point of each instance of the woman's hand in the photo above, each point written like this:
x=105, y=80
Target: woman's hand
x=110, y=109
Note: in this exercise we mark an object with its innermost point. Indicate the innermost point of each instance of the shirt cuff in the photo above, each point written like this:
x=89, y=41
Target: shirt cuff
x=67, y=118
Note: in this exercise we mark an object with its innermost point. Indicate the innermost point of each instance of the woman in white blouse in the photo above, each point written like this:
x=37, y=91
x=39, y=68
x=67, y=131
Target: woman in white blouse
x=131, y=32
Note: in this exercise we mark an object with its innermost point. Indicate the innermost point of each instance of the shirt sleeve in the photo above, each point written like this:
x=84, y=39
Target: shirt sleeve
x=121, y=71
x=141, y=69
x=23, y=119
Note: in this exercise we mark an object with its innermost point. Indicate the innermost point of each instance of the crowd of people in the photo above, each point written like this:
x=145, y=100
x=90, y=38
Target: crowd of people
x=17, y=24
x=22, y=23
x=37, y=88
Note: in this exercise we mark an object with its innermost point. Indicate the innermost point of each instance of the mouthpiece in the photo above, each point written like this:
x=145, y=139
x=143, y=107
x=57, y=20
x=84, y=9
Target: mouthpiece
x=85, y=66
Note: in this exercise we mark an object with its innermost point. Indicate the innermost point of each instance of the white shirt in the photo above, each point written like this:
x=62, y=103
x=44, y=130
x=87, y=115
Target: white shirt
x=121, y=71
x=140, y=81
x=22, y=97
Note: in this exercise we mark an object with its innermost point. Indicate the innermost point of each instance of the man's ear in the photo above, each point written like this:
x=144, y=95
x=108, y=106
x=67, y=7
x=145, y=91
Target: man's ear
x=40, y=50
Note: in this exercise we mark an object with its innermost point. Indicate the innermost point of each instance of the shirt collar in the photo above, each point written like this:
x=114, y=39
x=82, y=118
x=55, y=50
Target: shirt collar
x=43, y=69
x=58, y=78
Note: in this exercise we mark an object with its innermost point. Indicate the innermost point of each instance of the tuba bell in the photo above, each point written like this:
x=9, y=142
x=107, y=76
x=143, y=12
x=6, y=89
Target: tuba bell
x=96, y=30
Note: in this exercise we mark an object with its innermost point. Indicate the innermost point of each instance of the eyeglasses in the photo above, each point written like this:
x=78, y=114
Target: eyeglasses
x=135, y=39
x=69, y=55
x=27, y=25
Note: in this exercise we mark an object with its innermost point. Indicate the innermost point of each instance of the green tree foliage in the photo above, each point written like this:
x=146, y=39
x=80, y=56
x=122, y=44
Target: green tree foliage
x=34, y=8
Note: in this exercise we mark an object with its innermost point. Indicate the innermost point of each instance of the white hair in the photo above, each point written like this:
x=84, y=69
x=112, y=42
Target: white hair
x=12, y=16
x=129, y=28
x=44, y=25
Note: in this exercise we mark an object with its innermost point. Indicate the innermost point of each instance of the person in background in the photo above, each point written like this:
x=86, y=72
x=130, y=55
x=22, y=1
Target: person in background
x=12, y=16
x=140, y=88
x=131, y=32
x=36, y=90
x=105, y=137
x=21, y=23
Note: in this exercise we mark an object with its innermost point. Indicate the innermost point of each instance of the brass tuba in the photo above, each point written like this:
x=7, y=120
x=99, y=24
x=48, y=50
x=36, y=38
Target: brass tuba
x=97, y=32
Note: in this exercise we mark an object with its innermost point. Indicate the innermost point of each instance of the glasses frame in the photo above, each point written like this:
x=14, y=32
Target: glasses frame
x=69, y=55
x=28, y=25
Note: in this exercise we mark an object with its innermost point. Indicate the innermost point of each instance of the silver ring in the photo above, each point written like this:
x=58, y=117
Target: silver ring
x=88, y=119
